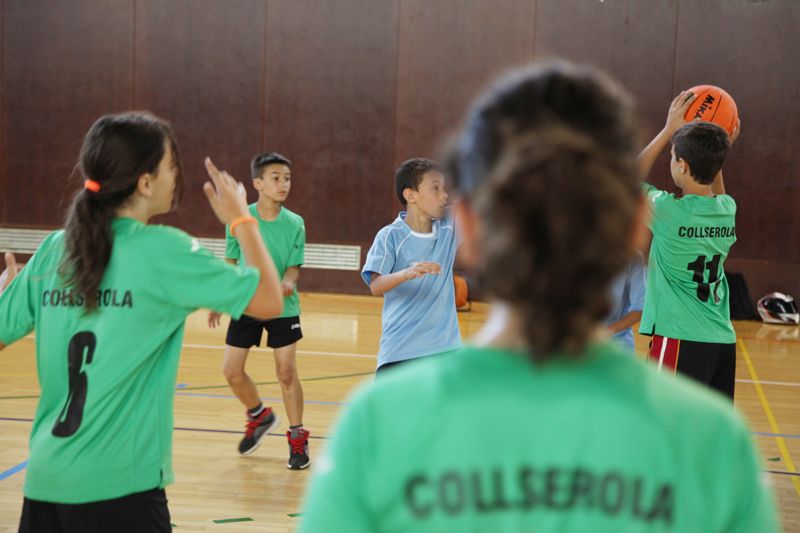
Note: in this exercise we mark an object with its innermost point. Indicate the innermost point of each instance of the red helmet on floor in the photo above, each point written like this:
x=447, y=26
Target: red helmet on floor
x=778, y=308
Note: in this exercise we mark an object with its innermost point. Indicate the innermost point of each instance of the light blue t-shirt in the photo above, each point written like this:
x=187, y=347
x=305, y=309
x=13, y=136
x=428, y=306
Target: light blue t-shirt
x=627, y=295
x=419, y=315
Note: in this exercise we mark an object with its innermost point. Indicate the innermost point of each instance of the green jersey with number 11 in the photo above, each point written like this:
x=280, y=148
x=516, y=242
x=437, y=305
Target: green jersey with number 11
x=103, y=425
x=687, y=293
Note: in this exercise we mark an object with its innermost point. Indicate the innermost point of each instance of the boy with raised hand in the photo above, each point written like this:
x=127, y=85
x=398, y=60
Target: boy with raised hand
x=686, y=308
x=411, y=265
x=284, y=235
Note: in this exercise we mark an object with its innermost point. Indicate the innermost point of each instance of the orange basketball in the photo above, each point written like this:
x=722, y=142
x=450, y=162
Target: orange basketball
x=713, y=104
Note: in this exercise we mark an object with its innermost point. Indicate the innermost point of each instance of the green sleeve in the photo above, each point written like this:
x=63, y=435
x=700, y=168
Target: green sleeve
x=17, y=305
x=232, y=250
x=297, y=255
x=663, y=208
x=752, y=504
x=192, y=277
x=337, y=499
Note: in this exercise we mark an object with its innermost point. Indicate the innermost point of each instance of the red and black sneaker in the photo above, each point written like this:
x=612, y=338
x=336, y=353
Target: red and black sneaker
x=256, y=429
x=298, y=450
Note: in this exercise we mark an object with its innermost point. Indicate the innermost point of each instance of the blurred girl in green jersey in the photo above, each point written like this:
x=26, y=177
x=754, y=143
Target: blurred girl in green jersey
x=541, y=424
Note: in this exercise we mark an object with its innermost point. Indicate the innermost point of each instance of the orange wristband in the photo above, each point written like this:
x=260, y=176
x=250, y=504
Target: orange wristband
x=242, y=220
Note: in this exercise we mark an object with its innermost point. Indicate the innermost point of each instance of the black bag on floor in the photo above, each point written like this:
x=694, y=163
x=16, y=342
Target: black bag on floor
x=742, y=307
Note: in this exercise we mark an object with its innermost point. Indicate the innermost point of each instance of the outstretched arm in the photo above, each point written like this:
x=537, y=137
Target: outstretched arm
x=677, y=110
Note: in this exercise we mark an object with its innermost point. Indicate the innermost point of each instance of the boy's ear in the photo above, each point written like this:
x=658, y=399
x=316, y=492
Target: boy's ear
x=684, y=167
x=408, y=194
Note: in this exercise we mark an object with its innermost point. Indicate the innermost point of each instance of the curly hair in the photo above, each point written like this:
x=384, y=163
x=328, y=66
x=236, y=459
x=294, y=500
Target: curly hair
x=547, y=160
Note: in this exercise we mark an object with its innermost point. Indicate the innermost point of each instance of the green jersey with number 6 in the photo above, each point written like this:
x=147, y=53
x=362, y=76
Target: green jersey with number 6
x=103, y=425
x=687, y=293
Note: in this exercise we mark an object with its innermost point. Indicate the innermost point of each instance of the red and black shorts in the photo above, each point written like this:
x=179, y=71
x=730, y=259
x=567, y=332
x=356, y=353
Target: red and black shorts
x=707, y=362
x=247, y=331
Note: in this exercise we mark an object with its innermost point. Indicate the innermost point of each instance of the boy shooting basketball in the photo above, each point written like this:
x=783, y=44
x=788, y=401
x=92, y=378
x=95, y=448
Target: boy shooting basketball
x=686, y=307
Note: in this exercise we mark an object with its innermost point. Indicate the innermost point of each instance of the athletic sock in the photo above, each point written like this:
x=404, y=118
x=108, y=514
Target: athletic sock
x=256, y=411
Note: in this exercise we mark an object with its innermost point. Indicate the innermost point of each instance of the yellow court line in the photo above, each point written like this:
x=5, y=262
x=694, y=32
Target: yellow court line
x=773, y=424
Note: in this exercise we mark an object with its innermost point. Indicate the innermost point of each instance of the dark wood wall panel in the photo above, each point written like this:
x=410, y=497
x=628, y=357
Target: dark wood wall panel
x=447, y=55
x=64, y=64
x=349, y=89
x=331, y=78
x=632, y=40
x=753, y=54
x=199, y=64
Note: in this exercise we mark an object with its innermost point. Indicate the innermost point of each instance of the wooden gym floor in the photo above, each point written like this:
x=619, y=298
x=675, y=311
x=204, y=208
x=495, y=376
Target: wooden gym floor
x=215, y=484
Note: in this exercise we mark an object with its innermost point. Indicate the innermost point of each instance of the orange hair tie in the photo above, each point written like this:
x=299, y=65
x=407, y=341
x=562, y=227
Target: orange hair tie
x=92, y=185
x=242, y=220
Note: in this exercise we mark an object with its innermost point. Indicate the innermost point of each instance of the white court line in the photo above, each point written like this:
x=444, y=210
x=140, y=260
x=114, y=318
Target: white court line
x=306, y=352
x=784, y=383
x=365, y=356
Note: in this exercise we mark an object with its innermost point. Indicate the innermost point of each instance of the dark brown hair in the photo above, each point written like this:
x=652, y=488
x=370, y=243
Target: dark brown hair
x=703, y=145
x=547, y=160
x=116, y=151
x=262, y=161
x=409, y=175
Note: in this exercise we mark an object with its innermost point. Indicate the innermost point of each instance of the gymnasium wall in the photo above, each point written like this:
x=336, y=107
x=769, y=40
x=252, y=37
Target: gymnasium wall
x=348, y=89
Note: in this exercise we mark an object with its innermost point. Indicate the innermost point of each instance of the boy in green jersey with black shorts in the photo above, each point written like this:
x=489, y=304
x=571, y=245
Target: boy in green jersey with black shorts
x=686, y=309
x=284, y=235
x=582, y=437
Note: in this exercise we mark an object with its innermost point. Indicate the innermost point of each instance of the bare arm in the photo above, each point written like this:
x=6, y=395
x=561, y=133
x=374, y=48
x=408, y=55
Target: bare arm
x=625, y=322
x=718, y=185
x=677, y=110
x=289, y=281
x=381, y=284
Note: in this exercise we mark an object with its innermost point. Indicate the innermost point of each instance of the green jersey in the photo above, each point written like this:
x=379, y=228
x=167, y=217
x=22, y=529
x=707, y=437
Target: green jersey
x=285, y=239
x=103, y=425
x=687, y=292
x=484, y=440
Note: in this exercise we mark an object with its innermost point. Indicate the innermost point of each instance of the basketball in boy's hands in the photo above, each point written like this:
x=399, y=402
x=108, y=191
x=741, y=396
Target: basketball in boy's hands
x=712, y=104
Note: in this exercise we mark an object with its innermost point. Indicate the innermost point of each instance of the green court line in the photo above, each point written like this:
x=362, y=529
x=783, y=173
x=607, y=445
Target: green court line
x=294, y=515
x=774, y=459
x=207, y=387
x=229, y=520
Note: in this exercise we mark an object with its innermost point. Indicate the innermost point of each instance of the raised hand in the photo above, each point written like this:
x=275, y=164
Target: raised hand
x=223, y=194
x=677, y=110
x=10, y=272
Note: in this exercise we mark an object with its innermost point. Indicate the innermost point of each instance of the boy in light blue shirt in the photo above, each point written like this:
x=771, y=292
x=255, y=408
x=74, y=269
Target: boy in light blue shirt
x=627, y=301
x=411, y=265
